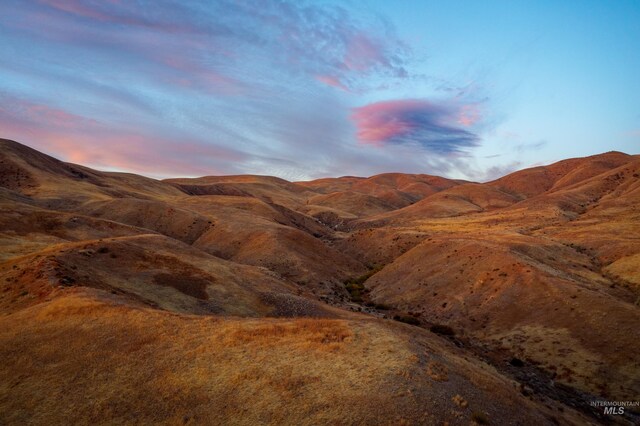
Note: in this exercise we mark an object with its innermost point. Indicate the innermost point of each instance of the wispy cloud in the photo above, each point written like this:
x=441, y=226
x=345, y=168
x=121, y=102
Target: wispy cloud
x=230, y=86
x=496, y=172
x=533, y=146
x=86, y=141
x=217, y=38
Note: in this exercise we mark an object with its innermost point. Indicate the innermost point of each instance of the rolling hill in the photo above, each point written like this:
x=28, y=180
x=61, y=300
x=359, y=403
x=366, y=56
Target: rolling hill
x=393, y=299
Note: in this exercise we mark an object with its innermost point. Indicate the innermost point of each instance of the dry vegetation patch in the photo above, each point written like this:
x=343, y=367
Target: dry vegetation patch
x=306, y=333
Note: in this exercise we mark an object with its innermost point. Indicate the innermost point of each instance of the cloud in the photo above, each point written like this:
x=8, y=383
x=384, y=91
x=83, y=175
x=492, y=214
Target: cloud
x=434, y=127
x=469, y=115
x=496, y=172
x=221, y=38
x=332, y=81
x=78, y=139
x=230, y=86
x=533, y=146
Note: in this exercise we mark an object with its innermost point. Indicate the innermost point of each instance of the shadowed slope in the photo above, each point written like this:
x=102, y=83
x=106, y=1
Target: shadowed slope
x=155, y=271
x=32, y=173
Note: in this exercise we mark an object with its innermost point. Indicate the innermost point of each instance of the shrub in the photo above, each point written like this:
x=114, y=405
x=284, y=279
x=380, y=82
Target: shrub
x=355, y=286
x=443, y=330
x=356, y=296
x=379, y=306
x=408, y=319
x=516, y=362
x=437, y=371
x=480, y=418
x=67, y=280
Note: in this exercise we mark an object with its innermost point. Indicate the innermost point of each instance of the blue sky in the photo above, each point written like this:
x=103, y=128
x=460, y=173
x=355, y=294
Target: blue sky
x=301, y=90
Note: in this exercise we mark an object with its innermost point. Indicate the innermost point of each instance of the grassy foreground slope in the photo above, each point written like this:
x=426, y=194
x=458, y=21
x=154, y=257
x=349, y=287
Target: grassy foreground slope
x=89, y=357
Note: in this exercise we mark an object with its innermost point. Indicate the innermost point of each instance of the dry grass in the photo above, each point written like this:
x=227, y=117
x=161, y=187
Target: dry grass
x=86, y=358
x=308, y=333
x=82, y=361
x=437, y=371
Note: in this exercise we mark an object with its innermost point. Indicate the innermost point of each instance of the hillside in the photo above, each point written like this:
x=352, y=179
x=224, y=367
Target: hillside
x=393, y=299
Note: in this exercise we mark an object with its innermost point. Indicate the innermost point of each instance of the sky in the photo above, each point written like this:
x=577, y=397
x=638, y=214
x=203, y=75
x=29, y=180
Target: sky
x=309, y=89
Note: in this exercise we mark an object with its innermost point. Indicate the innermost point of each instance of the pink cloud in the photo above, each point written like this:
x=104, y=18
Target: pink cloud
x=332, y=81
x=121, y=13
x=382, y=121
x=17, y=112
x=190, y=74
x=77, y=8
x=433, y=126
x=469, y=115
x=297, y=38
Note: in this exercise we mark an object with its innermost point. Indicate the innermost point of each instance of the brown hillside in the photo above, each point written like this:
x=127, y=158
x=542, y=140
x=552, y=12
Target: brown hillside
x=393, y=299
x=537, y=180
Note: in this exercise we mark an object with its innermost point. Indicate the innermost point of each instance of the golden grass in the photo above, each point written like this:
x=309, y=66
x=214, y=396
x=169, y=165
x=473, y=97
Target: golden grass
x=86, y=358
x=82, y=361
x=627, y=268
x=307, y=333
x=437, y=371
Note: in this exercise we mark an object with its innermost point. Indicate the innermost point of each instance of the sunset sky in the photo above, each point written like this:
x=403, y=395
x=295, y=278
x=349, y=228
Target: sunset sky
x=300, y=90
